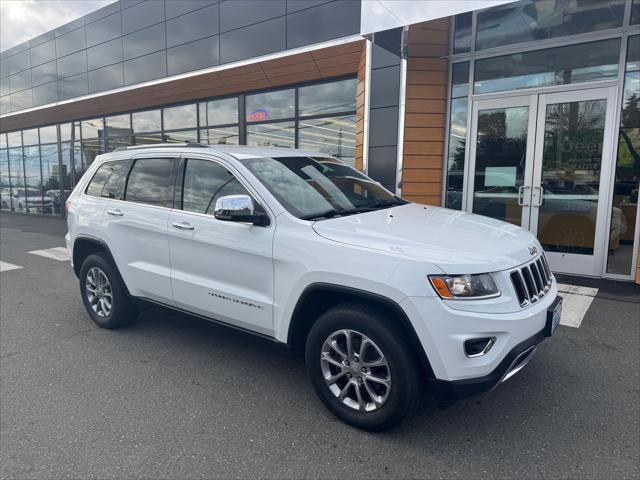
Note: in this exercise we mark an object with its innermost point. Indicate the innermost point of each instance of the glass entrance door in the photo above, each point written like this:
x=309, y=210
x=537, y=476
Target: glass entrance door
x=542, y=162
x=571, y=178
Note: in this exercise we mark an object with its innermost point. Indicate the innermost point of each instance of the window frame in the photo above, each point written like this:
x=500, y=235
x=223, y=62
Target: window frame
x=126, y=166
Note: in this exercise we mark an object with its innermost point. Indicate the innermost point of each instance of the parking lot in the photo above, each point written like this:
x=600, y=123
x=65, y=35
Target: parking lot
x=175, y=397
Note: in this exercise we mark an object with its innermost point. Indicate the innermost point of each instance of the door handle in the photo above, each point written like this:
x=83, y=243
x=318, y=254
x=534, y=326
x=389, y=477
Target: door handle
x=115, y=212
x=521, y=190
x=182, y=226
x=540, y=195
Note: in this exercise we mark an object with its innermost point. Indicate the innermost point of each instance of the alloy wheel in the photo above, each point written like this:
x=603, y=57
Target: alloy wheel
x=99, y=292
x=355, y=370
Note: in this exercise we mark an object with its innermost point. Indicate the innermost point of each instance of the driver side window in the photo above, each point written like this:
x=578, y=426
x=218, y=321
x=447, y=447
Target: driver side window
x=204, y=182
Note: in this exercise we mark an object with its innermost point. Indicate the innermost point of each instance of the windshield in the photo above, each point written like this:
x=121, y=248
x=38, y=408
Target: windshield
x=317, y=188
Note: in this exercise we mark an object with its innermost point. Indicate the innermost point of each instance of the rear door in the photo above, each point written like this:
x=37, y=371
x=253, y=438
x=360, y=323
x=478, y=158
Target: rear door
x=220, y=269
x=136, y=226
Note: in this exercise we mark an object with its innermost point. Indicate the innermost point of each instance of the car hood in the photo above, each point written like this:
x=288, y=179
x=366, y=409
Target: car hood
x=457, y=242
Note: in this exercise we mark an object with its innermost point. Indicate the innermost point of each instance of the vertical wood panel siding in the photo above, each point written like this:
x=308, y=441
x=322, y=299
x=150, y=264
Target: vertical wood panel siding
x=426, y=105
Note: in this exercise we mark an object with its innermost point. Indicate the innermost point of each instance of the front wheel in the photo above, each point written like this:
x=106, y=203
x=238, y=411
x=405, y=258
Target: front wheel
x=363, y=367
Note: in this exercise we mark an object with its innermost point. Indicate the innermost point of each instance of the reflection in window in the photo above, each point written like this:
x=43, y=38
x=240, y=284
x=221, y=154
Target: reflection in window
x=271, y=105
x=204, y=183
x=531, y=20
x=334, y=136
x=5, y=185
x=118, y=132
x=184, y=116
x=458, y=112
x=34, y=202
x=327, y=98
x=149, y=121
x=462, y=35
x=271, y=135
x=219, y=136
x=635, y=12
x=92, y=144
x=219, y=112
x=585, y=62
x=30, y=137
x=149, y=180
x=51, y=179
x=627, y=178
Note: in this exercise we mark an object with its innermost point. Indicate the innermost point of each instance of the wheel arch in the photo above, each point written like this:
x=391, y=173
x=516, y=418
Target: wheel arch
x=84, y=245
x=317, y=298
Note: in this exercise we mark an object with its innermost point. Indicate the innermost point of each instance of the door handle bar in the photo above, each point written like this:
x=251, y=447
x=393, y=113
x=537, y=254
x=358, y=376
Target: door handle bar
x=521, y=190
x=182, y=226
x=115, y=212
x=540, y=196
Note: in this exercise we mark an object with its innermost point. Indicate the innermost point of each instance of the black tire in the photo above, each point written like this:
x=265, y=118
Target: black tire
x=122, y=311
x=386, y=332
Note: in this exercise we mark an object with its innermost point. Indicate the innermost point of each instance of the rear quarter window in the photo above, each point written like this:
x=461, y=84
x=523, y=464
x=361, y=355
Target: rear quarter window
x=107, y=179
x=150, y=182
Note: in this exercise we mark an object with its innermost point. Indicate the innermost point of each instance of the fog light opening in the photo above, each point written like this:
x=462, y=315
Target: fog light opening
x=476, y=347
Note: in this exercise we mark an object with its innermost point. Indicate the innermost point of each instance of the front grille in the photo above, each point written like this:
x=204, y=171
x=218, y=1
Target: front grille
x=532, y=282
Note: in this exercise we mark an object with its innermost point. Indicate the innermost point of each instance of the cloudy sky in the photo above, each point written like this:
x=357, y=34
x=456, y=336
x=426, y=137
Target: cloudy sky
x=22, y=20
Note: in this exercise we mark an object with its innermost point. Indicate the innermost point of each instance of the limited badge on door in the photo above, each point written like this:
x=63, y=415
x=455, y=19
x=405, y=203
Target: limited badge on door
x=554, y=313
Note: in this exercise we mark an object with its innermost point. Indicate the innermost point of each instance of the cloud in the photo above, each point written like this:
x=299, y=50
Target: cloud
x=22, y=20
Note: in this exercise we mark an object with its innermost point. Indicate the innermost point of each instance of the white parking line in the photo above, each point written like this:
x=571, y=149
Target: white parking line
x=575, y=303
x=6, y=266
x=55, y=253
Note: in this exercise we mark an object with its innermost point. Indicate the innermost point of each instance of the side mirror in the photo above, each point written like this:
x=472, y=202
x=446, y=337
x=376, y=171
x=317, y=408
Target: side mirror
x=239, y=208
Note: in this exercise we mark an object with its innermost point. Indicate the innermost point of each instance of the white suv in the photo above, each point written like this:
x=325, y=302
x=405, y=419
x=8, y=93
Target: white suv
x=381, y=295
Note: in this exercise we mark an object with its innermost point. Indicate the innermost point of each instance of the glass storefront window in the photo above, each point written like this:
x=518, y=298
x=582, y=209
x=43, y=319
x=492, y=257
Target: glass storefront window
x=456, y=152
x=30, y=137
x=584, y=62
x=118, y=132
x=55, y=157
x=219, y=112
x=334, y=136
x=635, y=12
x=627, y=176
x=48, y=134
x=51, y=179
x=280, y=134
x=458, y=111
x=149, y=121
x=33, y=181
x=184, y=116
x=531, y=20
x=271, y=105
x=219, y=136
x=327, y=98
x=5, y=186
x=92, y=128
x=462, y=33
x=16, y=177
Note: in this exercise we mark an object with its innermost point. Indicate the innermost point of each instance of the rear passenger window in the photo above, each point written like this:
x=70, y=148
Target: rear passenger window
x=106, y=181
x=149, y=181
x=204, y=182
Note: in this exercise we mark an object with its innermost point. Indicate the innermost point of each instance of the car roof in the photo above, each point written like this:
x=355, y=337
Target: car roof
x=240, y=152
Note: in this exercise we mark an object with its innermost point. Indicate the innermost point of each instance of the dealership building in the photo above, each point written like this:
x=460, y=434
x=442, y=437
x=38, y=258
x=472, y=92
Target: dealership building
x=525, y=111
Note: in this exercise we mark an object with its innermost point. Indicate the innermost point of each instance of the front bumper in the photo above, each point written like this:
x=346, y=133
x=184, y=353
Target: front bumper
x=448, y=392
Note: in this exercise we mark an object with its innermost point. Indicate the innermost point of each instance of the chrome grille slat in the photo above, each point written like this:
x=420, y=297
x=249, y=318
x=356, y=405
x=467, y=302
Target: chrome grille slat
x=532, y=281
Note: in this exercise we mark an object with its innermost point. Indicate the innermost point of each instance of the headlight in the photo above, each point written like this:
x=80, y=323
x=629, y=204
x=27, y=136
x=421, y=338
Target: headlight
x=465, y=286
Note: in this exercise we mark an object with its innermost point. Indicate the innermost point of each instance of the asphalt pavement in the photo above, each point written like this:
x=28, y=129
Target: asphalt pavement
x=175, y=397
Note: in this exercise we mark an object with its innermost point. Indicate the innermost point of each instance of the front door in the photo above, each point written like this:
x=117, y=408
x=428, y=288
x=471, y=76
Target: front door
x=541, y=162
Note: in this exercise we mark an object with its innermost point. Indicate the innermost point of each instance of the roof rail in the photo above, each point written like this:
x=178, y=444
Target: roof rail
x=162, y=145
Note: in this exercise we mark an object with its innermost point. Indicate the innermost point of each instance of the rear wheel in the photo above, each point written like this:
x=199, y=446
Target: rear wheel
x=103, y=293
x=362, y=366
